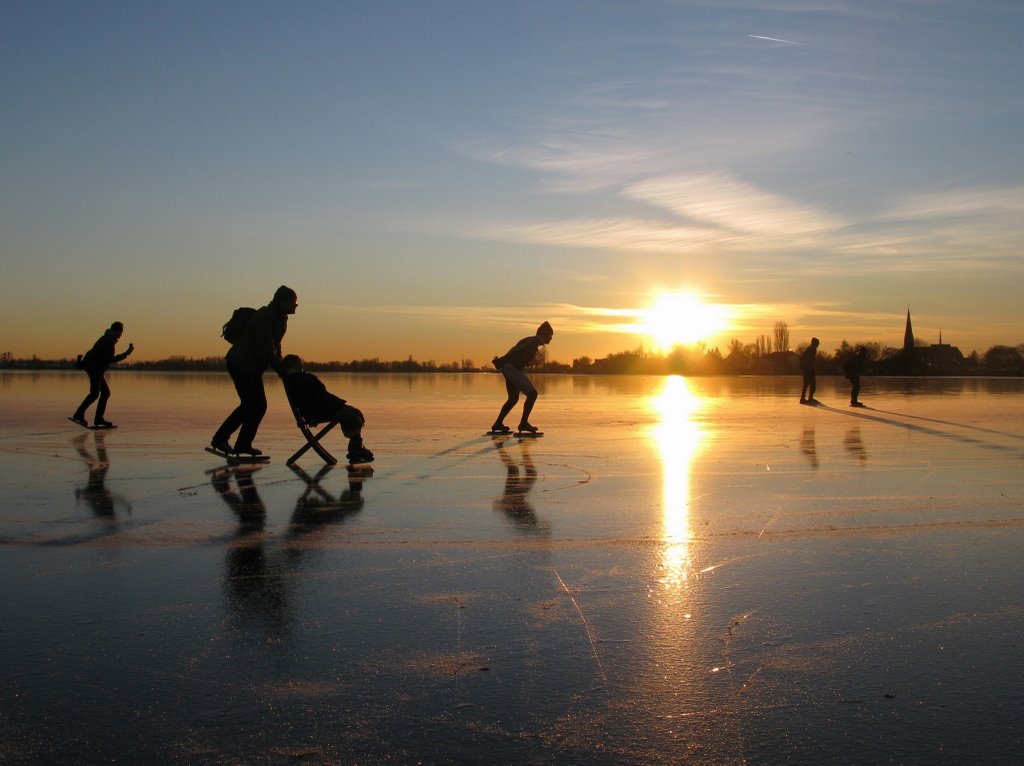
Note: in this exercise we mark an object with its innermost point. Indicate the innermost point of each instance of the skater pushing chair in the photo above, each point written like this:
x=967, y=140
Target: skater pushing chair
x=312, y=405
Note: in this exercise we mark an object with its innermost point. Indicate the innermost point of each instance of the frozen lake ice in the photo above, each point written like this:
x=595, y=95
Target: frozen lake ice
x=688, y=570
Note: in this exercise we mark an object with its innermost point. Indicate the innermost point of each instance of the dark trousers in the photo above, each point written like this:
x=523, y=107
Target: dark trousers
x=351, y=421
x=98, y=389
x=248, y=415
x=810, y=384
x=855, y=390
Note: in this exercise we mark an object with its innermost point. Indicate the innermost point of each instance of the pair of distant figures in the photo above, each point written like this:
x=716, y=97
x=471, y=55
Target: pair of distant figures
x=853, y=368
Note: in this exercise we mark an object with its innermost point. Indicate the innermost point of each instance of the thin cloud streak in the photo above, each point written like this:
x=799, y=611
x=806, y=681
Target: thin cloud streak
x=728, y=203
x=565, y=317
x=976, y=201
x=773, y=39
x=611, y=233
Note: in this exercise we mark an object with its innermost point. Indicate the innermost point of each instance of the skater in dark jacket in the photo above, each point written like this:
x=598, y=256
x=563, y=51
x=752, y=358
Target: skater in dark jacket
x=96, y=362
x=318, y=405
x=511, y=365
x=256, y=350
x=853, y=368
x=808, y=360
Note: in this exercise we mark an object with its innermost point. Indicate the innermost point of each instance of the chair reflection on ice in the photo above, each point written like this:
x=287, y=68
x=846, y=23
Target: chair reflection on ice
x=317, y=505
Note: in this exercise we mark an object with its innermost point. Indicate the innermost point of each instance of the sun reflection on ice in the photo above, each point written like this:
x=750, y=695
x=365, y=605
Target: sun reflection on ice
x=678, y=437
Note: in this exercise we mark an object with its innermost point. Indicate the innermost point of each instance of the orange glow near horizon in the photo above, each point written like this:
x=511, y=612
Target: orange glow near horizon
x=682, y=319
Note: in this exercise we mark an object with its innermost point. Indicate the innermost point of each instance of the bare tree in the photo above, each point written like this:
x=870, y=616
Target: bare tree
x=781, y=335
x=763, y=344
x=540, y=359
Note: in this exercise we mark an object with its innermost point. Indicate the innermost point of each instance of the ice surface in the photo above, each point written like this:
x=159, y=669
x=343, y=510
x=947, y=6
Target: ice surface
x=680, y=570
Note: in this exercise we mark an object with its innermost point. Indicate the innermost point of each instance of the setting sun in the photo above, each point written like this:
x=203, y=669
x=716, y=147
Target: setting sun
x=676, y=319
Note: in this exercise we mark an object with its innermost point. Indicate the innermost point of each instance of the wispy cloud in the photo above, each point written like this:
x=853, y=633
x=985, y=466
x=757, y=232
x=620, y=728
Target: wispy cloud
x=711, y=212
x=725, y=202
x=970, y=201
x=717, y=214
x=572, y=160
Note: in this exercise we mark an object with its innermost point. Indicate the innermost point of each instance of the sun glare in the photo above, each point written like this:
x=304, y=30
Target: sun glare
x=682, y=319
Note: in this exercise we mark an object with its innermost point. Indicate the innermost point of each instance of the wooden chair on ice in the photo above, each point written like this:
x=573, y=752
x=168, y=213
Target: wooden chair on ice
x=312, y=440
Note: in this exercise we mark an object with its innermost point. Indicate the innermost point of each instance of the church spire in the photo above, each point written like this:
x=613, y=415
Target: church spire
x=908, y=335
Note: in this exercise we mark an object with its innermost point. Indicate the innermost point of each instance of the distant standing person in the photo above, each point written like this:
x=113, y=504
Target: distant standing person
x=96, y=362
x=853, y=368
x=257, y=348
x=808, y=360
x=511, y=365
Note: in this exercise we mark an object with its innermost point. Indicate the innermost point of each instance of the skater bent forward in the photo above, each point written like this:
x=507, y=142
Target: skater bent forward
x=511, y=366
x=96, y=362
x=258, y=349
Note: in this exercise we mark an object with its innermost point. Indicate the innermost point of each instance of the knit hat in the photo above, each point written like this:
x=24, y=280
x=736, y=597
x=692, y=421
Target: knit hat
x=291, y=363
x=545, y=329
x=284, y=294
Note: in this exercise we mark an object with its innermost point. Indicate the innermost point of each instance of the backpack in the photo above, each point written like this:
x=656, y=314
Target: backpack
x=84, y=361
x=234, y=329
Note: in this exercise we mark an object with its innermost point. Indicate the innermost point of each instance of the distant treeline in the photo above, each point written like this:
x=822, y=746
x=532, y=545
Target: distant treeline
x=759, y=359
x=217, y=363
x=752, y=359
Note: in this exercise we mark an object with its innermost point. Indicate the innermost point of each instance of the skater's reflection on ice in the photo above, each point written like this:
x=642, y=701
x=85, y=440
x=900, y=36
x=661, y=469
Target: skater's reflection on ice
x=244, y=501
x=252, y=601
x=95, y=494
x=520, y=476
x=854, y=445
x=678, y=437
x=809, y=446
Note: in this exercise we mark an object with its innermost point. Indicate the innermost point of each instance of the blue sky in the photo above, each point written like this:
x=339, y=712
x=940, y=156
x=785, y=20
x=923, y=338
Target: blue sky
x=436, y=178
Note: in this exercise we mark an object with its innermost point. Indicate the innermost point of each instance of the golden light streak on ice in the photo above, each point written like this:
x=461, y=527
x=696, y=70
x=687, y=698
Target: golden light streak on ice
x=678, y=437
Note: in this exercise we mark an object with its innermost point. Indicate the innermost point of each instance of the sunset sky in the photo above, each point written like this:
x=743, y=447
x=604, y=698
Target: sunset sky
x=436, y=178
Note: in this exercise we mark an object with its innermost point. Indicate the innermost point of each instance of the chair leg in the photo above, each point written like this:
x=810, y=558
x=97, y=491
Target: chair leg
x=319, y=448
x=313, y=442
x=297, y=454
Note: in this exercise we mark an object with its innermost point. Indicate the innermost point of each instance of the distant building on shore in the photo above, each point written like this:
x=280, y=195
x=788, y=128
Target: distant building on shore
x=938, y=359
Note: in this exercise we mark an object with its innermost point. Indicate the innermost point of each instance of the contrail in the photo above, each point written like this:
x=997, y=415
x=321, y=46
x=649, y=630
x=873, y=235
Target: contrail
x=773, y=39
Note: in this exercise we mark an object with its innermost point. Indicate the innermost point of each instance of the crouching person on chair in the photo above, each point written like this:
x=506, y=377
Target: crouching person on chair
x=318, y=405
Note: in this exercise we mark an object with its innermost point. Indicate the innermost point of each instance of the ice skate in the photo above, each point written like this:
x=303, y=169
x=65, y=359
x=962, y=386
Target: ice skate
x=359, y=455
x=528, y=431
